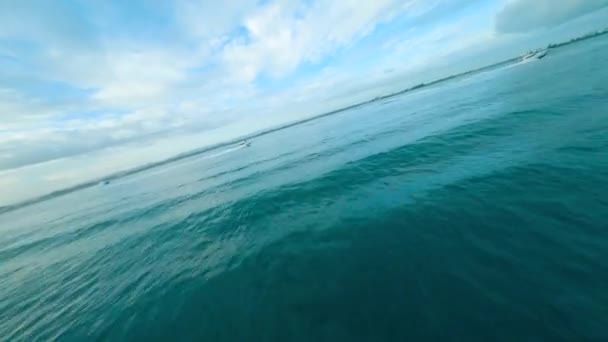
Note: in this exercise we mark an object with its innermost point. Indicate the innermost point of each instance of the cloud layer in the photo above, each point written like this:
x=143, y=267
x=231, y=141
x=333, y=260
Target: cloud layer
x=523, y=16
x=79, y=76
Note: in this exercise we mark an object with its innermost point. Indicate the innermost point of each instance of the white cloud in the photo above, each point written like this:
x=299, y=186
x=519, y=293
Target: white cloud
x=205, y=20
x=137, y=77
x=16, y=107
x=523, y=16
x=213, y=66
x=421, y=50
x=204, y=77
x=282, y=35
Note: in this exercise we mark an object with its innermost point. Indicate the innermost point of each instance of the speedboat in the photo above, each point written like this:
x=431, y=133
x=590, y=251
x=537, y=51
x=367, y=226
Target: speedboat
x=541, y=54
x=528, y=56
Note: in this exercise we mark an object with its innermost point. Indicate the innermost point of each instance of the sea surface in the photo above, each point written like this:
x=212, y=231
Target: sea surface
x=474, y=209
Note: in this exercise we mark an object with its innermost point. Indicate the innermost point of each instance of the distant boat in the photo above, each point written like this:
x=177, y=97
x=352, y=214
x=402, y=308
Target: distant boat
x=535, y=55
x=541, y=54
x=245, y=143
x=529, y=55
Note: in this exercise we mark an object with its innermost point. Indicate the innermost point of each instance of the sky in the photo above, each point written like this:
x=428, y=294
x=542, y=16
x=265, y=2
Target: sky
x=107, y=85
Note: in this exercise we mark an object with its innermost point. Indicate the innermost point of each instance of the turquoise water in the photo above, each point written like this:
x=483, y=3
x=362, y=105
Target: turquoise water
x=476, y=209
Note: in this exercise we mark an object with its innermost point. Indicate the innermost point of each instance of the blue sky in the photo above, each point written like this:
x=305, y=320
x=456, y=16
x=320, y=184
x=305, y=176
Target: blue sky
x=80, y=77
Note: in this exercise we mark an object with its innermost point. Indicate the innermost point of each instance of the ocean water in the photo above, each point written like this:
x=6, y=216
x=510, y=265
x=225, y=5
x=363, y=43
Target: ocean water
x=475, y=209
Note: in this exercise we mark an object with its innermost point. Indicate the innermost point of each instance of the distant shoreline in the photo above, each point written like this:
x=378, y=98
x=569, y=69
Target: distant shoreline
x=121, y=174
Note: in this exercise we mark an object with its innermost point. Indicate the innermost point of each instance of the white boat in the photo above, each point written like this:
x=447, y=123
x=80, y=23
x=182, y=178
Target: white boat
x=541, y=54
x=528, y=56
